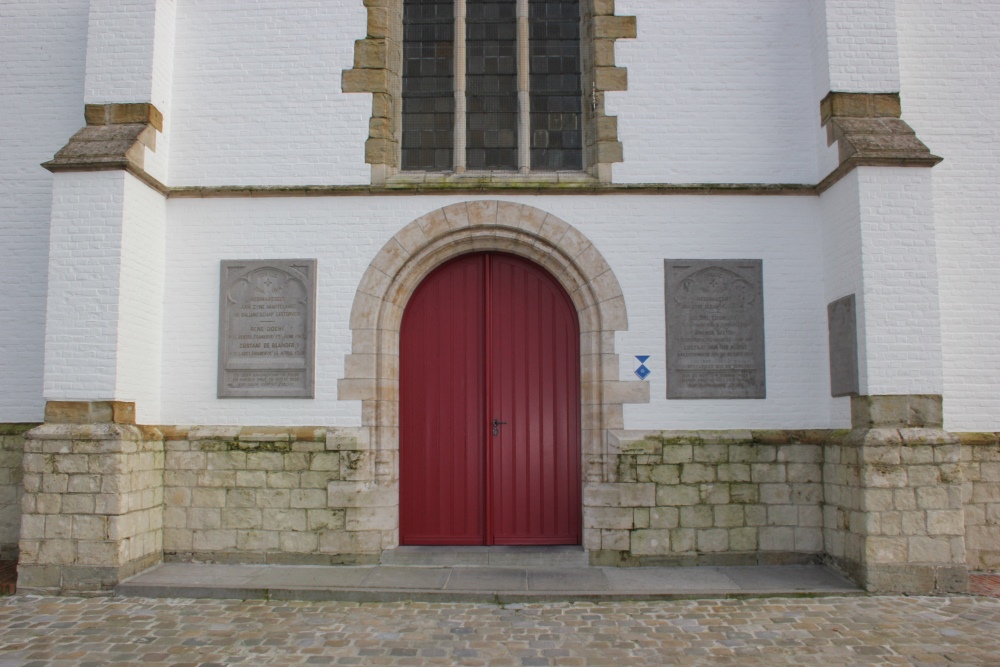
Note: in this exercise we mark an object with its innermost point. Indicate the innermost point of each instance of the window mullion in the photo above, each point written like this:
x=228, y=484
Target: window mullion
x=460, y=103
x=523, y=92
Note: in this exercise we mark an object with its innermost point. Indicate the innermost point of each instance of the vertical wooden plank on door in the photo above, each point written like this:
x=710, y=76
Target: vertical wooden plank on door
x=535, y=374
x=441, y=421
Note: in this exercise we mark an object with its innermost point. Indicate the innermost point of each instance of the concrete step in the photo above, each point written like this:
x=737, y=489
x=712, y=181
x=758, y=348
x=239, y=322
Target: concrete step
x=384, y=583
x=548, y=557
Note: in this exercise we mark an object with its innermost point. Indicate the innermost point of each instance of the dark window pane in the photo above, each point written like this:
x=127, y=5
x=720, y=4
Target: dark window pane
x=428, y=98
x=556, y=97
x=491, y=84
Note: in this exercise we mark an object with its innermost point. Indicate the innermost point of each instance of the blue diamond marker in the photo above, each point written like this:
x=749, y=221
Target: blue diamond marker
x=642, y=358
x=642, y=372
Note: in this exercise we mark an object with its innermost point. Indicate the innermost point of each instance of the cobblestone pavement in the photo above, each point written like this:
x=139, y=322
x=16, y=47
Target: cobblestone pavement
x=745, y=632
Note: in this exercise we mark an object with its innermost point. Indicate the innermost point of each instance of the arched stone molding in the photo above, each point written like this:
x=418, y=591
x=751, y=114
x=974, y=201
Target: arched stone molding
x=372, y=369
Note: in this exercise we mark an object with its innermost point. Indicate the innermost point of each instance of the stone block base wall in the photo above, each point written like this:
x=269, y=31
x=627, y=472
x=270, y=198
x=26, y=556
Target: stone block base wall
x=885, y=502
x=893, y=515
x=708, y=498
x=274, y=495
x=93, y=499
x=11, y=449
x=981, y=495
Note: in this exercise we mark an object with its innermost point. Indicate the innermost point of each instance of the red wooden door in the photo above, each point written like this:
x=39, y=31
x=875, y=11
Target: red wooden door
x=489, y=337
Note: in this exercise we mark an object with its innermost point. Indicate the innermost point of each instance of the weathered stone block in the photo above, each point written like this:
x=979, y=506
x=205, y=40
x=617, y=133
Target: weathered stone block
x=699, y=516
x=241, y=517
x=258, y=540
x=713, y=540
x=744, y=493
x=775, y=494
x=681, y=453
x=677, y=495
x=199, y=518
x=734, y=472
x=619, y=495
x=773, y=538
x=210, y=498
x=283, y=519
x=783, y=515
x=767, y=472
x=371, y=518
x=945, y=522
x=808, y=539
x=886, y=549
x=346, y=542
x=728, y=516
x=665, y=474
x=650, y=542
x=299, y=542
x=615, y=540
x=664, y=517
x=282, y=480
x=743, y=539
x=273, y=498
x=325, y=519
x=214, y=540
x=617, y=518
x=804, y=472
x=933, y=497
x=924, y=549
x=697, y=473
x=308, y=498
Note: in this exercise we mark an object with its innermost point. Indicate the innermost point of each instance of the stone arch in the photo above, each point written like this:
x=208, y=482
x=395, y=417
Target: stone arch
x=371, y=372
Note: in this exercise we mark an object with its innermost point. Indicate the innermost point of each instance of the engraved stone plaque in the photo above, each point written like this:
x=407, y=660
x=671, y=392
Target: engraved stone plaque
x=715, y=328
x=843, y=327
x=267, y=323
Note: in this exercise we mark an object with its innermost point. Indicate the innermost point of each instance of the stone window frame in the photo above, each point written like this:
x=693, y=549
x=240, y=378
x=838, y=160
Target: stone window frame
x=378, y=64
x=371, y=370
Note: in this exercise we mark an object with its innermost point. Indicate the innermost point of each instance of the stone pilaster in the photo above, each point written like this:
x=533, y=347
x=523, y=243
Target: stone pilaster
x=93, y=499
x=893, y=518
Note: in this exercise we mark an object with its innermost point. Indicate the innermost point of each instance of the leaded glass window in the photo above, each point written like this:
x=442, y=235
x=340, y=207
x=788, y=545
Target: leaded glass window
x=492, y=85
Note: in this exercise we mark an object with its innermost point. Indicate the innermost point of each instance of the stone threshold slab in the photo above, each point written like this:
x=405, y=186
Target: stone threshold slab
x=383, y=583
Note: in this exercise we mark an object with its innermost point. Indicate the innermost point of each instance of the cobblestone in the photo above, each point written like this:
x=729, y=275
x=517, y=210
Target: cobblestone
x=87, y=632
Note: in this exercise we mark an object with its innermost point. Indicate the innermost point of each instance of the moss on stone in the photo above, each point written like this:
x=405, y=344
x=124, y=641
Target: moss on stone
x=19, y=428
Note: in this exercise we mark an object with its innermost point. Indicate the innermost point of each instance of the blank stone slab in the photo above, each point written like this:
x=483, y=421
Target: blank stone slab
x=715, y=328
x=842, y=320
x=267, y=324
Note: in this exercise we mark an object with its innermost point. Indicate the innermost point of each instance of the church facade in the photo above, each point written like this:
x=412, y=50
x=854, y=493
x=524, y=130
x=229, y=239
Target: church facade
x=679, y=283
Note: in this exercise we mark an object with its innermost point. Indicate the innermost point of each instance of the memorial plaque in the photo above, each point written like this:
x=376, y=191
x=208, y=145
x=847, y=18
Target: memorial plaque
x=267, y=324
x=715, y=328
x=842, y=320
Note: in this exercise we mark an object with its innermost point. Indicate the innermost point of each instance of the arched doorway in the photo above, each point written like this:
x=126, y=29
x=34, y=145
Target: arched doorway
x=489, y=416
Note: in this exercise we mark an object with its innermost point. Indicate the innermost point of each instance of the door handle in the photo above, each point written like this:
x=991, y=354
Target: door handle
x=496, y=426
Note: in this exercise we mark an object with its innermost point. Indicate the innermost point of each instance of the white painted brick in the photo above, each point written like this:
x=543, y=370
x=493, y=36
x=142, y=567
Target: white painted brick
x=35, y=122
x=721, y=93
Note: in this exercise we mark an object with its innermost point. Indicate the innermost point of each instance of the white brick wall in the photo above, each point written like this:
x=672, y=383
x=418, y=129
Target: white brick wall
x=42, y=46
x=842, y=271
x=140, y=325
x=120, y=51
x=257, y=94
x=724, y=91
x=130, y=53
x=719, y=92
x=862, y=53
x=951, y=97
x=81, y=332
x=104, y=321
x=344, y=233
x=899, y=259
